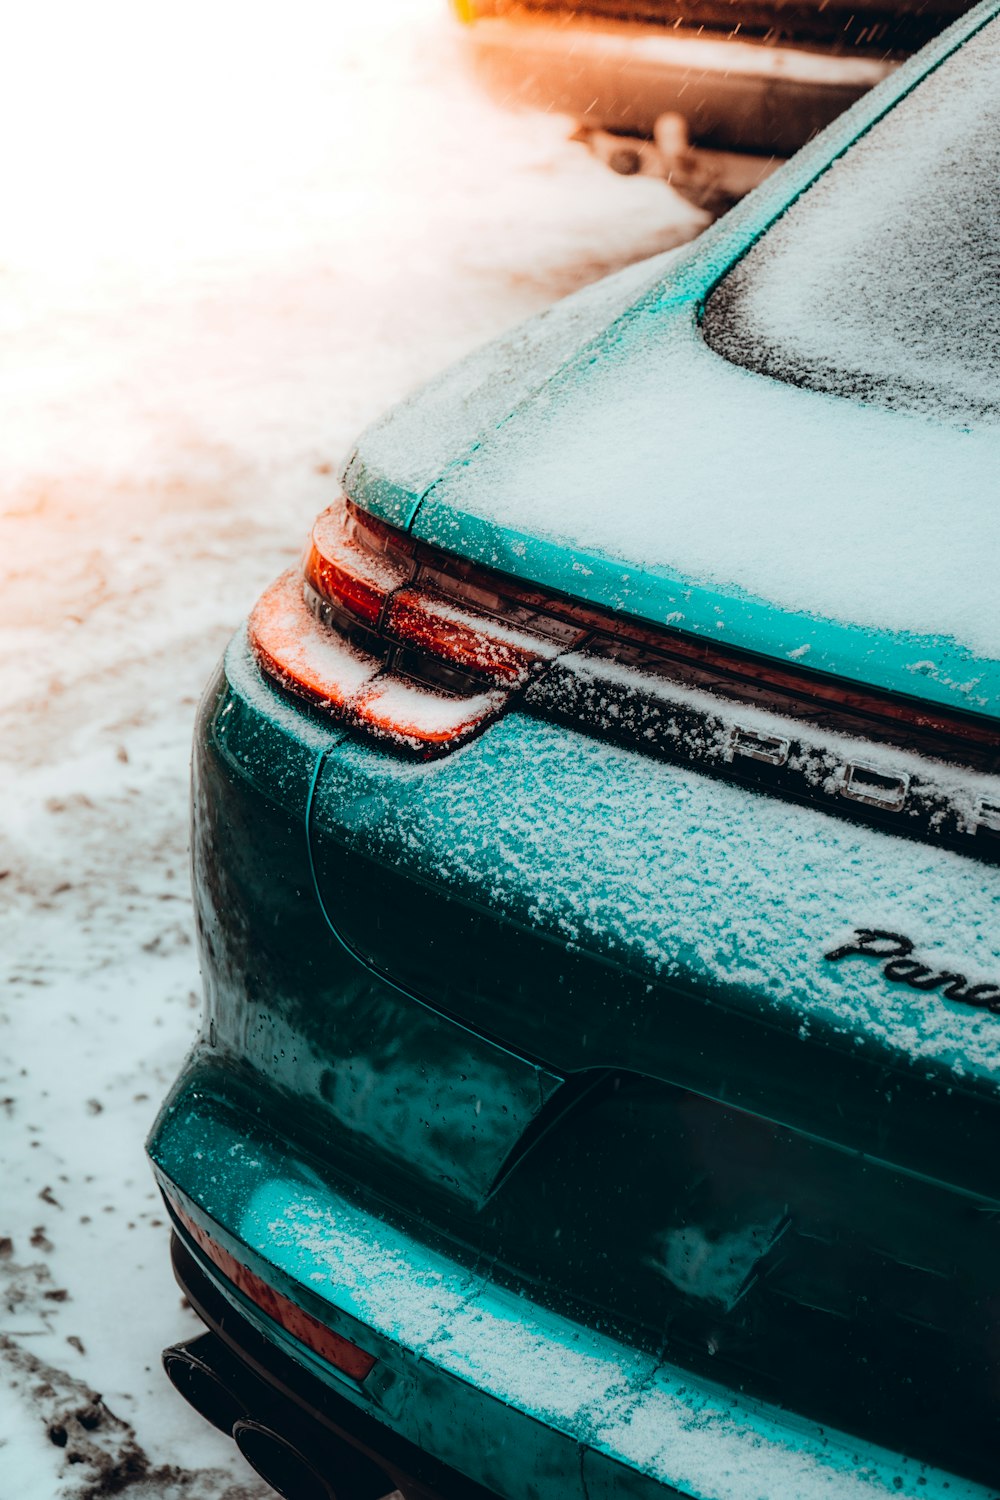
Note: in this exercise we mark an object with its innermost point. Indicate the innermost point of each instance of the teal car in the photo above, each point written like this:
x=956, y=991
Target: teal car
x=596, y=869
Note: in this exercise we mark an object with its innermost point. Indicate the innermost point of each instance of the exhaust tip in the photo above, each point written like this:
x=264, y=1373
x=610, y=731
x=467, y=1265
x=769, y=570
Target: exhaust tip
x=193, y=1377
x=284, y=1468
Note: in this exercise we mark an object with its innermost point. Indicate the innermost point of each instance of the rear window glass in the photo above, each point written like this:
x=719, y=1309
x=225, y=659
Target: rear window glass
x=882, y=282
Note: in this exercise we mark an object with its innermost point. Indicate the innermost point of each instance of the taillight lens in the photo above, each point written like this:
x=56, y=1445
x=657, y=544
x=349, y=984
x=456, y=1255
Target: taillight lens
x=373, y=630
x=345, y=563
x=292, y=645
x=434, y=624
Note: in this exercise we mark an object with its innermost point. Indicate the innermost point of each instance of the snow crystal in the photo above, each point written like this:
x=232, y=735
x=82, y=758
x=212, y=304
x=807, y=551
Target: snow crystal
x=410, y=707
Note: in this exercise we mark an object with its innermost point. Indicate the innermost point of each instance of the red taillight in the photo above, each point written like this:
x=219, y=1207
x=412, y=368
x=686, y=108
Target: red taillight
x=294, y=647
x=467, y=640
x=346, y=571
x=362, y=634
x=332, y=1347
x=320, y=665
x=400, y=710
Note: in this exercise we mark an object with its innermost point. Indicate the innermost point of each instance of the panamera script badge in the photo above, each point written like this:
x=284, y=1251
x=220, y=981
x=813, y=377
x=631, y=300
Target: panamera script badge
x=896, y=955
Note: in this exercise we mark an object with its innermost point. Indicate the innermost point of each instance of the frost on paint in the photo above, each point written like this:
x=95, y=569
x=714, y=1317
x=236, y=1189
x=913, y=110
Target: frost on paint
x=880, y=284
x=613, y=1401
x=438, y=424
x=683, y=877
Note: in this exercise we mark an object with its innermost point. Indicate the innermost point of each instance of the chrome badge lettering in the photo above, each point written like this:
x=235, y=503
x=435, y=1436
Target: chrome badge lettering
x=895, y=953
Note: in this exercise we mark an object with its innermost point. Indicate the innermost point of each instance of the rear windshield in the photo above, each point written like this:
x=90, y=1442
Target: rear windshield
x=882, y=282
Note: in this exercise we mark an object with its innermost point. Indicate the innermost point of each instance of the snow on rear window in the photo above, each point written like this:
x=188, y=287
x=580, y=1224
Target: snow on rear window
x=882, y=283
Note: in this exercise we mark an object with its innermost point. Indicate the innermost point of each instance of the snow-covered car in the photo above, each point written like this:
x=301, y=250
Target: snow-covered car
x=596, y=865
x=709, y=94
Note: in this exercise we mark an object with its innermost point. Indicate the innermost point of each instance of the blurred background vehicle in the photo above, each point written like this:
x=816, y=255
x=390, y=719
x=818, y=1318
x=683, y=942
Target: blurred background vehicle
x=710, y=95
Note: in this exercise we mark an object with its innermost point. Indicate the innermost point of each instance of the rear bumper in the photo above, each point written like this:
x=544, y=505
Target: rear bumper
x=264, y=1380
x=734, y=95
x=470, y=1379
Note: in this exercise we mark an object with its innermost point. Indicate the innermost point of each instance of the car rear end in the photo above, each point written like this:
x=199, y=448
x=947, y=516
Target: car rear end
x=558, y=1118
x=597, y=1091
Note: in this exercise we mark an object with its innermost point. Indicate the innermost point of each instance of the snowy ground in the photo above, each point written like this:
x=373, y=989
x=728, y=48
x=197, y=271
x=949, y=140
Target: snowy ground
x=230, y=236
